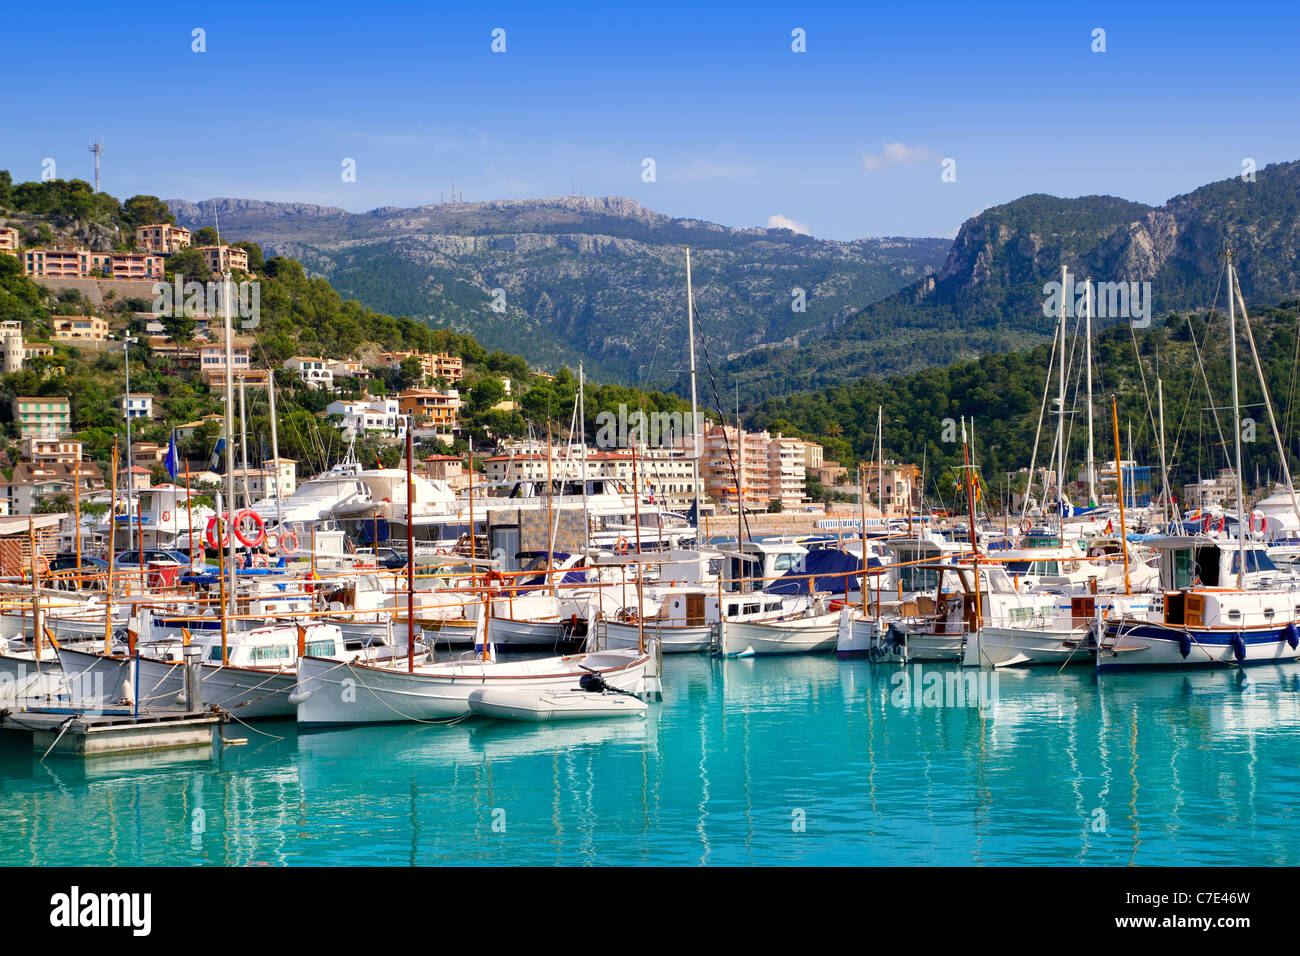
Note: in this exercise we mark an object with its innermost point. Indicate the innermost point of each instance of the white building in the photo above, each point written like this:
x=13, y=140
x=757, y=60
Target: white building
x=136, y=406
x=316, y=372
x=378, y=416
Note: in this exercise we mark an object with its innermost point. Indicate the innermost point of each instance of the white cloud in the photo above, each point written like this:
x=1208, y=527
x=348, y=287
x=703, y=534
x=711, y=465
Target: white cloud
x=896, y=154
x=779, y=221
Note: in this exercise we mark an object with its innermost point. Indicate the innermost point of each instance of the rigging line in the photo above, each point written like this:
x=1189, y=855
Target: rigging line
x=1290, y=407
x=713, y=386
x=1033, y=460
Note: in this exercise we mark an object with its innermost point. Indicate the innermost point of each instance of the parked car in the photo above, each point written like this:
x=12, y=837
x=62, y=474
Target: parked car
x=64, y=569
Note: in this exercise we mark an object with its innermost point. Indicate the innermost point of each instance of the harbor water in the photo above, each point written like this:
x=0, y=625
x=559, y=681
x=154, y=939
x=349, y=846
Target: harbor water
x=806, y=760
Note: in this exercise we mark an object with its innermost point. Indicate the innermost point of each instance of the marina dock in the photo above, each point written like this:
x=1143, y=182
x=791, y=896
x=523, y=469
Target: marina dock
x=84, y=734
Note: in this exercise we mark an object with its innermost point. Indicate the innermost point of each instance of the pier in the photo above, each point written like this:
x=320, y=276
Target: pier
x=88, y=734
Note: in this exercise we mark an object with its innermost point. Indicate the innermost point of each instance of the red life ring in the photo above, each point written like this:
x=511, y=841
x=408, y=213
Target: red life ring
x=243, y=516
x=621, y=547
x=494, y=576
x=1025, y=525
x=167, y=516
x=210, y=535
x=270, y=542
x=261, y=561
x=288, y=544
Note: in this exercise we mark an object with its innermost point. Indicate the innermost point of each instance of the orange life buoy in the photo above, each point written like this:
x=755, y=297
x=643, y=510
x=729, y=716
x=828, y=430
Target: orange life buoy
x=245, y=515
x=621, y=547
x=494, y=576
x=288, y=544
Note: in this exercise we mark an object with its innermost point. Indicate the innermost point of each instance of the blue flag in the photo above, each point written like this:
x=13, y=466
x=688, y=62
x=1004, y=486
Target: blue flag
x=172, y=461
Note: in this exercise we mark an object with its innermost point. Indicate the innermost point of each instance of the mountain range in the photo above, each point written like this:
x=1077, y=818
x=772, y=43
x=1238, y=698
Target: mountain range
x=989, y=296
x=597, y=279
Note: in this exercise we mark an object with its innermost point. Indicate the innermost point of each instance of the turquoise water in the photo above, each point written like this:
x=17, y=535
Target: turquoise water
x=794, y=761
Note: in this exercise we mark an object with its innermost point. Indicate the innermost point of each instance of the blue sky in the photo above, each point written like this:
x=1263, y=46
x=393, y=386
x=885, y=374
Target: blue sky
x=845, y=139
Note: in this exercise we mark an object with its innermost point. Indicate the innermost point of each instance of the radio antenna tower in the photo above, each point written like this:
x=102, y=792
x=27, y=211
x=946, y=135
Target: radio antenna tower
x=96, y=147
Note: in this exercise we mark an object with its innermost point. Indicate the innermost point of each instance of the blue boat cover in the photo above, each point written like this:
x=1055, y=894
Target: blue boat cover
x=829, y=566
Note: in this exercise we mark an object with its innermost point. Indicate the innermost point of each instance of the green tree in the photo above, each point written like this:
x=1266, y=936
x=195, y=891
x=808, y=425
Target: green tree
x=146, y=211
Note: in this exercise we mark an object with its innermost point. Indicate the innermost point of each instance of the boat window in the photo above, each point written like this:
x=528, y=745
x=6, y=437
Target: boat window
x=731, y=609
x=1184, y=568
x=751, y=608
x=320, y=648
x=270, y=652
x=353, y=645
x=784, y=562
x=215, y=653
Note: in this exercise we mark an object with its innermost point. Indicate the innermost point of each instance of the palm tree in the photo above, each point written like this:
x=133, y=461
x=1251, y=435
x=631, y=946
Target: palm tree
x=54, y=504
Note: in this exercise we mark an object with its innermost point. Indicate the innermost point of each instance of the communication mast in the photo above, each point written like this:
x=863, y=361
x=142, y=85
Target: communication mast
x=96, y=147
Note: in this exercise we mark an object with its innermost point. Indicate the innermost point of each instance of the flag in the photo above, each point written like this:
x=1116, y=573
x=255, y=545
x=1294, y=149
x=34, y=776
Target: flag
x=172, y=461
x=1110, y=527
x=378, y=464
x=216, y=463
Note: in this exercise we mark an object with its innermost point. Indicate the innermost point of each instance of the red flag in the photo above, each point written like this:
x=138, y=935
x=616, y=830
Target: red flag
x=378, y=464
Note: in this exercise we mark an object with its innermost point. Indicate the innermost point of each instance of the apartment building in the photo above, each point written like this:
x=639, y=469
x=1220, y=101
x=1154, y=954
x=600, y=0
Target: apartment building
x=44, y=450
x=162, y=238
x=891, y=485
x=139, y=266
x=56, y=263
x=220, y=258
x=259, y=483
x=34, y=481
x=434, y=364
x=79, y=328
x=9, y=240
x=212, y=363
x=430, y=407
x=42, y=416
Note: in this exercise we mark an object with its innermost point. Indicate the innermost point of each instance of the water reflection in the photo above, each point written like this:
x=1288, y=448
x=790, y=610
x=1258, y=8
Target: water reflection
x=801, y=760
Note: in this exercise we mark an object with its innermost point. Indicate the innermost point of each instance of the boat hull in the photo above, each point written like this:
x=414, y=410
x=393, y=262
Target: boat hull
x=1130, y=644
x=810, y=635
x=247, y=693
x=550, y=705
x=333, y=692
x=674, y=640
x=996, y=646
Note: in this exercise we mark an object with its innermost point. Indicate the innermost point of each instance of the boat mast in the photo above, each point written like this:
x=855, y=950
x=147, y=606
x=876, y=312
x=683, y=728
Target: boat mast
x=1268, y=404
x=1236, y=427
x=243, y=441
x=582, y=465
x=226, y=295
x=275, y=457
x=1164, y=474
x=1092, y=470
x=1060, y=420
x=695, y=415
x=410, y=557
x=880, y=461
